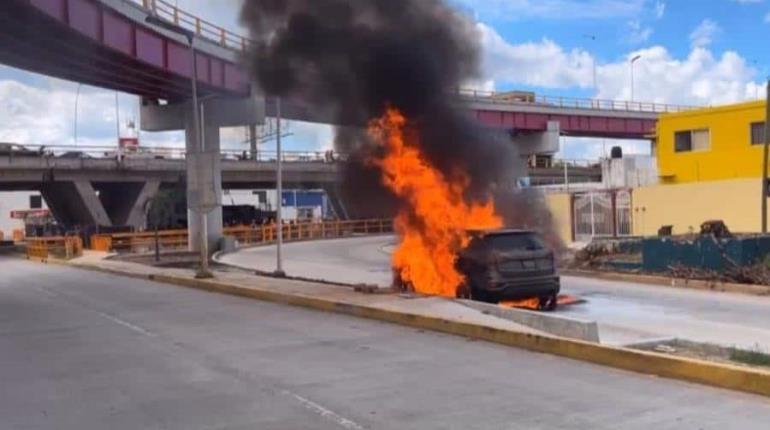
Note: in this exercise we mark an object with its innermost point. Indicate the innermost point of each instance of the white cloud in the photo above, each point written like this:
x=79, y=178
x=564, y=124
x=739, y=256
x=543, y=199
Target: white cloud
x=637, y=33
x=554, y=9
x=767, y=17
x=660, y=9
x=542, y=64
x=747, y=1
x=699, y=78
x=704, y=33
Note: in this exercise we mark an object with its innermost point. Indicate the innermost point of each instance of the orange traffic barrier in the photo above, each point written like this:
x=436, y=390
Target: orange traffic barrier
x=61, y=247
x=244, y=235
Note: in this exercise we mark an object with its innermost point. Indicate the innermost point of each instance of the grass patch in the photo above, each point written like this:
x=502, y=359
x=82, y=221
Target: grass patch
x=753, y=358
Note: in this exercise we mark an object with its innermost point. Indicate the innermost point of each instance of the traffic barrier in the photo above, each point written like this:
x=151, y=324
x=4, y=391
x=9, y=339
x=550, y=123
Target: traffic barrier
x=244, y=235
x=61, y=247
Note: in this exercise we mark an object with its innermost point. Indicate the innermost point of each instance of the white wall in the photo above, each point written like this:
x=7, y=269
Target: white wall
x=9, y=201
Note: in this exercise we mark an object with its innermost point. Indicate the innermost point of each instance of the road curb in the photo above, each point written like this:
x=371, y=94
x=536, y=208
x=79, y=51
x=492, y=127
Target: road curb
x=666, y=281
x=738, y=378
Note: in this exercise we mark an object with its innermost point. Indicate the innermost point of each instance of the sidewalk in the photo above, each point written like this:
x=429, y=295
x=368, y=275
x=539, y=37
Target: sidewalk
x=436, y=307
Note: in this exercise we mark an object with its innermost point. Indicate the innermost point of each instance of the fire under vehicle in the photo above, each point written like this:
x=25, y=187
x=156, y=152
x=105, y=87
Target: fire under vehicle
x=506, y=265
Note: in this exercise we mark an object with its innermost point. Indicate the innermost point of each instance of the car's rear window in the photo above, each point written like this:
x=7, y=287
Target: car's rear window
x=515, y=241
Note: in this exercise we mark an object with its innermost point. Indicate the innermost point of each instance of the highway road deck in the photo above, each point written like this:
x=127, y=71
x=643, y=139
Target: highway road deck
x=626, y=312
x=82, y=350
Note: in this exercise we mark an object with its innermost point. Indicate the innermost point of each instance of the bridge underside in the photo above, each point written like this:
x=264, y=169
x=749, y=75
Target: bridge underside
x=86, y=41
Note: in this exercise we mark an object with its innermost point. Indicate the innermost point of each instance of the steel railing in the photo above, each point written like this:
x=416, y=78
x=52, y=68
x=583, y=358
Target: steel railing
x=244, y=235
x=171, y=153
x=532, y=99
x=202, y=28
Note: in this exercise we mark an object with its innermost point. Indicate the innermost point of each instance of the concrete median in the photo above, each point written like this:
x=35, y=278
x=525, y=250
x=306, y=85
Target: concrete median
x=572, y=328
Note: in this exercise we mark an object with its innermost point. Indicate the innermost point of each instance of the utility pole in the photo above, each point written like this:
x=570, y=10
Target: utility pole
x=279, y=191
x=633, y=60
x=764, y=157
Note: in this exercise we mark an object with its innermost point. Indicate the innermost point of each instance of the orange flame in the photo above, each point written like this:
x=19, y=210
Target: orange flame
x=434, y=222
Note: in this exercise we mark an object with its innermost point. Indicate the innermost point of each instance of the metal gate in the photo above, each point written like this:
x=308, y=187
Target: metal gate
x=601, y=214
x=623, y=213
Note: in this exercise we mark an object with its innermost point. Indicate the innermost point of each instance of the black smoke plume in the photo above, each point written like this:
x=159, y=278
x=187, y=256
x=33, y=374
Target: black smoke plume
x=352, y=58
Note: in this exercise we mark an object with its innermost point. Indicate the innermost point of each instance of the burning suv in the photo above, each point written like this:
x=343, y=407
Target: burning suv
x=509, y=265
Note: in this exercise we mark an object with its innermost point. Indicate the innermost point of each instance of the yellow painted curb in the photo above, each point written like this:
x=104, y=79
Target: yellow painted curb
x=738, y=378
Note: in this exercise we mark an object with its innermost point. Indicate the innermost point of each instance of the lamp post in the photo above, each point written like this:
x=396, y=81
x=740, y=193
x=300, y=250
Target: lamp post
x=633, y=60
x=75, y=123
x=593, y=58
x=203, y=270
x=279, y=191
x=764, y=158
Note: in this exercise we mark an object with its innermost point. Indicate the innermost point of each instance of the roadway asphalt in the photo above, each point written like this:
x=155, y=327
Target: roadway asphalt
x=82, y=350
x=626, y=312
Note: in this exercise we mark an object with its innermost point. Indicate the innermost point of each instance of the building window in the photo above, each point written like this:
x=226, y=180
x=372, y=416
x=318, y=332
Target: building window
x=757, y=133
x=35, y=202
x=692, y=140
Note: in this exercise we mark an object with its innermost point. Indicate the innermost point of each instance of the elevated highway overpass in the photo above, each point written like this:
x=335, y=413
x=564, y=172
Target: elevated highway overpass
x=108, y=191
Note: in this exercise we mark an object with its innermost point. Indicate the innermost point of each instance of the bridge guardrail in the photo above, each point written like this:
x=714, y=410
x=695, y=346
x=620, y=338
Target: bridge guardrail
x=161, y=152
x=202, y=28
x=244, y=235
x=61, y=247
x=531, y=99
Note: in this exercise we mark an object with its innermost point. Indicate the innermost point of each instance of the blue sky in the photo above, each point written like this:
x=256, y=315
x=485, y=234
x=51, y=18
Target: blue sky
x=693, y=52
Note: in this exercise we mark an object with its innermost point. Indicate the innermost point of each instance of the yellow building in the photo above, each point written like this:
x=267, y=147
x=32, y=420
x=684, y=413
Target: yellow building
x=711, y=144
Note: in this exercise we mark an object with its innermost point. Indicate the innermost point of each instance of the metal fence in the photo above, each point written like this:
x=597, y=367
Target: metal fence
x=244, y=235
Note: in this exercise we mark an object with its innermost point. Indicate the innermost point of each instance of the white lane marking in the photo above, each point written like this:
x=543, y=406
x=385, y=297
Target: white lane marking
x=326, y=413
x=126, y=324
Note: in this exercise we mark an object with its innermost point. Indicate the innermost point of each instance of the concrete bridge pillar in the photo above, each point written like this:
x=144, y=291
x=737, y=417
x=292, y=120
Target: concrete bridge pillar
x=75, y=203
x=204, y=173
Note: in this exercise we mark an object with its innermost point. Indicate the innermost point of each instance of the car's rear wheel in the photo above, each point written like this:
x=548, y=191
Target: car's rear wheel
x=548, y=303
x=464, y=292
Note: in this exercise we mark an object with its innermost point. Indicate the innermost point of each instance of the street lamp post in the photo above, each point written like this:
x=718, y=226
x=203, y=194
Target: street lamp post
x=203, y=270
x=279, y=191
x=75, y=124
x=593, y=58
x=633, y=60
x=764, y=158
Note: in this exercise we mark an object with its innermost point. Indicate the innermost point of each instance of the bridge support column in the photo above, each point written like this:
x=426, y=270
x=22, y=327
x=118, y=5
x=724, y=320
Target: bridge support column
x=75, y=203
x=545, y=142
x=216, y=113
x=205, y=175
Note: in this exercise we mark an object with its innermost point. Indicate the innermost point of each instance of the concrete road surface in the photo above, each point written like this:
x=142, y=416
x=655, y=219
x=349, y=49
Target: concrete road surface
x=90, y=351
x=626, y=312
